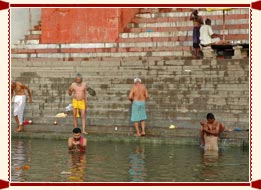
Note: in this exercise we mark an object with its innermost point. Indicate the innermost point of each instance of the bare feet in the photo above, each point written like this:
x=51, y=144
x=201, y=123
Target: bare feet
x=143, y=134
x=136, y=135
x=84, y=132
x=19, y=129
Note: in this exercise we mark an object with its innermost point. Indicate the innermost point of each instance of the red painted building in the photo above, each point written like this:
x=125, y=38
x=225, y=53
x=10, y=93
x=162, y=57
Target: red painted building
x=84, y=25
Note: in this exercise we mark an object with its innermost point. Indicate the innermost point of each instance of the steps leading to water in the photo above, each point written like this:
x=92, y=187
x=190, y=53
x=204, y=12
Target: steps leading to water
x=181, y=91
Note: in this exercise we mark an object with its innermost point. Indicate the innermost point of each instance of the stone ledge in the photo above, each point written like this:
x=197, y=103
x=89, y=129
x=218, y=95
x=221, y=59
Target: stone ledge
x=158, y=135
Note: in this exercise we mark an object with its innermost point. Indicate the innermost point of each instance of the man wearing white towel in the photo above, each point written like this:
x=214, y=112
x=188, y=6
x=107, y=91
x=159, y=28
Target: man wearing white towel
x=18, y=90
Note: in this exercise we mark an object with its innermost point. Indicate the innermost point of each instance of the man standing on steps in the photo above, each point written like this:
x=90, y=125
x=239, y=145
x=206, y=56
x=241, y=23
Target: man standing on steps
x=79, y=101
x=197, y=22
x=138, y=96
x=18, y=89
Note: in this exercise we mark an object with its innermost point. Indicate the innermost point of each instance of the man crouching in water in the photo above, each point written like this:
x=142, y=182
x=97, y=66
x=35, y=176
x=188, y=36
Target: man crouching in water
x=77, y=143
x=209, y=132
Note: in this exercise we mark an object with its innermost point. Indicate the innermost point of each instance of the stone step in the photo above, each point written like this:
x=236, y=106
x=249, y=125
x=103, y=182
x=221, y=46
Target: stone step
x=32, y=37
x=218, y=29
x=71, y=56
x=187, y=13
x=177, y=33
x=99, y=50
x=98, y=46
x=216, y=19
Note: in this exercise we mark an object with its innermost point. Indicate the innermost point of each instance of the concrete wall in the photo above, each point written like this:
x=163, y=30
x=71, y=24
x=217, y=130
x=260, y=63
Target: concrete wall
x=20, y=22
x=84, y=25
x=181, y=91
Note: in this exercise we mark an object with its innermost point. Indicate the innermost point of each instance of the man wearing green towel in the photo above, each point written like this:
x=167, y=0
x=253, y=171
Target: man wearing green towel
x=138, y=96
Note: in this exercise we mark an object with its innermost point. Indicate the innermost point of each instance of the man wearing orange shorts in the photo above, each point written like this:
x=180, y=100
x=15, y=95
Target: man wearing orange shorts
x=79, y=102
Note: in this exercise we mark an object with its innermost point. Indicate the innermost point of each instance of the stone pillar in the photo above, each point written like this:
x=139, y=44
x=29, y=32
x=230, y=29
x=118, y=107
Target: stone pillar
x=237, y=52
x=208, y=52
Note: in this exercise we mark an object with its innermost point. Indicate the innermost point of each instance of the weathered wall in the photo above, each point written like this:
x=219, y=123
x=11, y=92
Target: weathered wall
x=181, y=91
x=23, y=20
x=84, y=25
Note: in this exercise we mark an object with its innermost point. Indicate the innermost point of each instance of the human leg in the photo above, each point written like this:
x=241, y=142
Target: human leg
x=136, y=126
x=83, y=117
x=19, y=126
x=75, y=110
x=19, y=106
x=143, y=128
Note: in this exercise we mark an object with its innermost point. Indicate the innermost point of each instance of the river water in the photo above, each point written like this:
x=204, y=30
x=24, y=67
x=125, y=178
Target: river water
x=44, y=160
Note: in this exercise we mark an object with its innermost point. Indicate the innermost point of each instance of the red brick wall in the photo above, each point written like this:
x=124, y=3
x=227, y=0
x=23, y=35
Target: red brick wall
x=82, y=25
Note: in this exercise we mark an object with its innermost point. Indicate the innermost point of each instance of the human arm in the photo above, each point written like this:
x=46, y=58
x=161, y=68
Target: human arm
x=70, y=90
x=28, y=92
x=131, y=94
x=193, y=15
x=216, y=35
x=211, y=131
x=12, y=92
x=221, y=127
x=212, y=34
x=203, y=123
x=85, y=97
x=70, y=144
x=146, y=93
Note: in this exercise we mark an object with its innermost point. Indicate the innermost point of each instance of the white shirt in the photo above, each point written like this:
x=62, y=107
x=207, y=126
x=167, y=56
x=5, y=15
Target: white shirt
x=205, y=34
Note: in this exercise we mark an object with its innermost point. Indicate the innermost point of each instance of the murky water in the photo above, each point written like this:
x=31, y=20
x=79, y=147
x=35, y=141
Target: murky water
x=48, y=160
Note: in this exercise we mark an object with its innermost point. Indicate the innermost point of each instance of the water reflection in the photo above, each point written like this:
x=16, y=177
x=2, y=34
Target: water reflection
x=137, y=171
x=209, y=166
x=77, y=166
x=19, y=158
x=123, y=162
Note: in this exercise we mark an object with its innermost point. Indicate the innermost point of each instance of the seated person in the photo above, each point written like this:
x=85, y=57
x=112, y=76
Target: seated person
x=77, y=143
x=209, y=132
x=207, y=36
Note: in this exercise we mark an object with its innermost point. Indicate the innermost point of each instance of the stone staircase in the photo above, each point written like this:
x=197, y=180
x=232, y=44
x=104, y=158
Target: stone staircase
x=156, y=46
x=156, y=33
x=181, y=91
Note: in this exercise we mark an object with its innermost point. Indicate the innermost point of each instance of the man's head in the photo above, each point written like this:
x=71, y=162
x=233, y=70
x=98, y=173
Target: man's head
x=137, y=80
x=13, y=84
x=77, y=133
x=210, y=117
x=78, y=78
x=208, y=21
x=195, y=12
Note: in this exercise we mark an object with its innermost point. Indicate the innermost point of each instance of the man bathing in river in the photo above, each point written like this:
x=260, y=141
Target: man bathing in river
x=209, y=132
x=77, y=143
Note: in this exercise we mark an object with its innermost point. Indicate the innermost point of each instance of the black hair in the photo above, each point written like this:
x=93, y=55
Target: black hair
x=210, y=116
x=76, y=130
x=207, y=21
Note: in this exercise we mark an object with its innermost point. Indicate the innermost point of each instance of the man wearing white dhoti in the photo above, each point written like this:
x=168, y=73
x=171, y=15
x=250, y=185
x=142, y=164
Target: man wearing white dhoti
x=18, y=89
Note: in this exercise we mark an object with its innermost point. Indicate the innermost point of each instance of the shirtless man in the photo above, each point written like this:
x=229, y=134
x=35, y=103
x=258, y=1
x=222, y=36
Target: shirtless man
x=210, y=131
x=18, y=89
x=197, y=22
x=79, y=100
x=138, y=96
x=77, y=143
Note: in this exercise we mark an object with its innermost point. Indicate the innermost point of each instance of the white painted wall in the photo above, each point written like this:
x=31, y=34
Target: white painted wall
x=20, y=22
